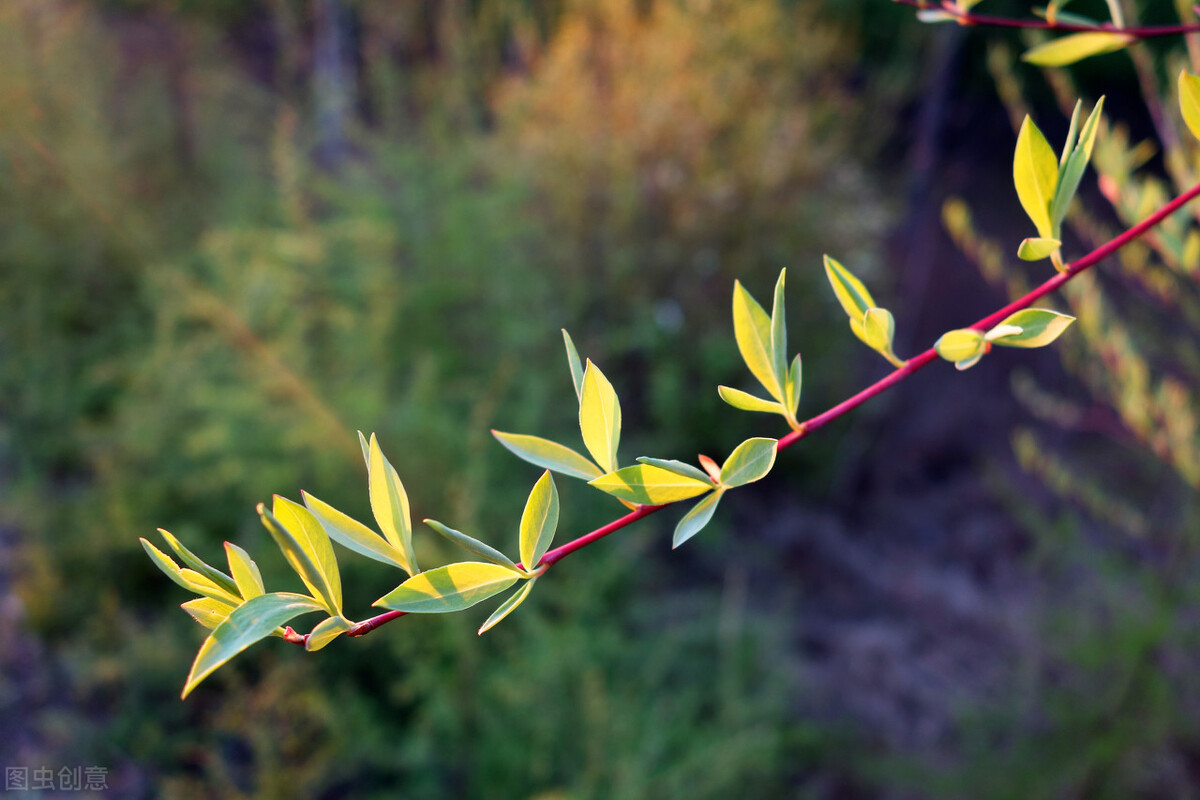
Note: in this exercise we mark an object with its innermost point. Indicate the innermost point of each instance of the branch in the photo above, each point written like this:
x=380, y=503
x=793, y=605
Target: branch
x=983, y=20
x=912, y=365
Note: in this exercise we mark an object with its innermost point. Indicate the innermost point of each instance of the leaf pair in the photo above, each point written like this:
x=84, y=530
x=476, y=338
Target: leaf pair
x=762, y=341
x=1030, y=327
x=874, y=326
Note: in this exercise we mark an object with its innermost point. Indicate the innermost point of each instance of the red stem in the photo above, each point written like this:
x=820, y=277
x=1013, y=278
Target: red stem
x=912, y=365
x=967, y=18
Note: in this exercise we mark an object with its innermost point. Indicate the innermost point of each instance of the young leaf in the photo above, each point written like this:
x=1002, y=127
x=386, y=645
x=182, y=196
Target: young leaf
x=353, y=535
x=245, y=571
x=208, y=612
x=389, y=504
x=255, y=619
x=967, y=363
x=508, y=606
x=548, y=455
x=366, y=450
x=164, y=563
x=960, y=345
x=1035, y=173
x=646, y=484
x=308, y=531
x=791, y=389
x=298, y=558
x=1076, y=47
x=879, y=327
x=1074, y=166
x=750, y=461
x=779, y=362
x=695, y=520
x=449, y=588
x=481, y=549
x=539, y=520
x=200, y=584
x=1038, y=327
x=678, y=467
x=192, y=560
x=1037, y=249
x=850, y=291
x=600, y=417
x=1072, y=135
x=574, y=363
x=1189, y=101
x=748, y=402
x=932, y=16
x=325, y=632
x=752, y=330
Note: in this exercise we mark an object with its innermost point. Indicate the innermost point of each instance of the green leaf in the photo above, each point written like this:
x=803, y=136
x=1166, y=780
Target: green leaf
x=471, y=544
x=449, y=588
x=1037, y=327
x=695, y=520
x=1189, y=101
x=678, y=467
x=164, y=563
x=200, y=584
x=779, y=334
x=748, y=402
x=791, y=390
x=574, y=363
x=850, y=291
x=960, y=345
x=389, y=504
x=353, y=535
x=539, y=520
x=879, y=328
x=1035, y=174
x=752, y=330
x=366, y=450
x=1074, y=167
x=325, y=632
x=1076, y=47
x=1072, y=135
x=208, y=612
x=1037, y=249
x=192, y=560
x=750, y=461
x=255, y=619
x=600, y=417
x=245, y=571
x=309, y=532
x=646, y=484
x=508, y=606
x=549, y=455
x=298, y=558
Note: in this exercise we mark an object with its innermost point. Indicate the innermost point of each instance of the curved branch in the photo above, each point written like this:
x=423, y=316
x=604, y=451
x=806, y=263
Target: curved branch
x=983, y=20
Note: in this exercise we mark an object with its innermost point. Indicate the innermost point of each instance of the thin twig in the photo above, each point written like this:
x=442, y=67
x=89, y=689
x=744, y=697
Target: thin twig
x=983, y=20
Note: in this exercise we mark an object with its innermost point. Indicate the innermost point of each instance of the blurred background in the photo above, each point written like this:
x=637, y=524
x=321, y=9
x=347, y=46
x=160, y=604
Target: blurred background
x=232, y=232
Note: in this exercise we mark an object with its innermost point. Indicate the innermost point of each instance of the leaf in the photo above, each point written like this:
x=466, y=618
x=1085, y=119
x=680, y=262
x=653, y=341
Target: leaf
x=850, y=291
x=574, y=363
x=1076, y=47
x=389, y=504
x=959, y=345
x=353, y=535
x=298, y=558
x=748, y=402
x=245, y=571
x=200, y=584
x=481, y=549
x=695, y=520
x=308, y=531
x=1038, y=328
x=192, y=560
x=752, y=330
x=255, y=619
x=1189, y=101
x=678, y=467
x=931, y=16
x=779, y=362
x=647, y=484
x=967, y=363
x=879, y=327
x=539, y=520
x=1035, y=174
x=791, y=389
x=750, y=461
x=164, y=563
x=1074, y=167
x=366, y=450
x=548, y=455
x=508, y=606
x=325, y=632
x=1072, y=135
x=1037, y=249
x=600, y=417
x=449, y=588
x=208, y=612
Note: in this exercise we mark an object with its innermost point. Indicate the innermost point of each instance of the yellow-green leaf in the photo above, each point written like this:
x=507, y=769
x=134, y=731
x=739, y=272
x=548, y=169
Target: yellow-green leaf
x=1036, y=327
x=389, y=504
x=308, y=531
x=779, y=362
x=647, y=484
x=325, y=632
x=960, y=345
x=366, y=450
x=574, y=363
x=750, y=461
x=449, y=588
x=678, y=467
x=1037, y=249
x=1076, y=47
x=1035, y=174
x=539, y=520
x=879, y=328
x=549, y=455
x=752, y=330
x=254, y=620
x=600, y=417
x=748, y=402
x=695, y=520
x=245, y=571
x=296, y=553
x=201, y=584
x=353, y=535
x=849, y=290
x=164, y=563
x=192, y=560
x=473, y=545
x=208, y=612
x=792, y=388
x=1073, y=166
x=508, y=606
x=1189, y=101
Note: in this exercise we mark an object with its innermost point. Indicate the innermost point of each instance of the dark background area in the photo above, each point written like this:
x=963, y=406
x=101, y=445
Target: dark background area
x=232, y=233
